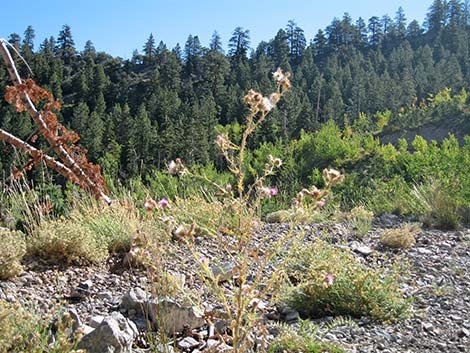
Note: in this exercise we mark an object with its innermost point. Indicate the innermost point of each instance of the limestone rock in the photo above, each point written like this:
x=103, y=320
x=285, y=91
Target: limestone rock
x=173, y=316
x=114, y=335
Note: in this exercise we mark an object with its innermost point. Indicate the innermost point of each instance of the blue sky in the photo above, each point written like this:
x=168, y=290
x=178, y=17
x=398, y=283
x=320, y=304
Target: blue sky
x=118, y=27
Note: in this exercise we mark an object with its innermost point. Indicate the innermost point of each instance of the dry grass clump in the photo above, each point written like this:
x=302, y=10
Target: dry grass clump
x=66, y=241
x=442, y=209
x=88, y=235
x=13, y=250
x=400, y=238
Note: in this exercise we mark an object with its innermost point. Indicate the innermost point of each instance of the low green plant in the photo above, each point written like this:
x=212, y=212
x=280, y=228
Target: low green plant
x=400, y=238
x=66, y=241
x=13, y=250
x=326, y=280
x=306, y=340
x=91, y=232
x=23, y=331
x=442, y=208
x=361, y=220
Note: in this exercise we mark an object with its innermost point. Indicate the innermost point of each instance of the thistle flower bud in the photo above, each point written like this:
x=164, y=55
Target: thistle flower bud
x=332, y=176
x=281, y=78
x=177, y=167
x=149, y=204
x=265, y=105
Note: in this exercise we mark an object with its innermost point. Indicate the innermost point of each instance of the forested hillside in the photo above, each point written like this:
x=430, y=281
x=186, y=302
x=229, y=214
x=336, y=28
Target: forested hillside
x=136, y=114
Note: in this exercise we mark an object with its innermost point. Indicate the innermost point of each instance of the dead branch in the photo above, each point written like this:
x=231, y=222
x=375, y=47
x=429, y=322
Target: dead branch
x=34, y=152
x=80, y=176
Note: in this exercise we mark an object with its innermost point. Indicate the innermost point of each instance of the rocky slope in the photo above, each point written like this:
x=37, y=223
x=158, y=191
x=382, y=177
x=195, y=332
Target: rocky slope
x=438, y=281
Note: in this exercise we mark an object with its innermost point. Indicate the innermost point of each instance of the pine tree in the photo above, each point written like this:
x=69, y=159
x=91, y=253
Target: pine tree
x=239, y=44
x=375, y=29
x=216, y=43
x=65, y=46
x=149, y=50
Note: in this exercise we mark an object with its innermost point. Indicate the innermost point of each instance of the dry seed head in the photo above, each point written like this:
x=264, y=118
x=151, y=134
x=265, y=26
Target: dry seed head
x=265, y=105
x=149, y=204
x=332, y=176
x=282, y=79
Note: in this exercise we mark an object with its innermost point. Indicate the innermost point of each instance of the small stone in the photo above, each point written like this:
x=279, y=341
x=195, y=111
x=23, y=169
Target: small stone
x=221, y=326
x=95, y=321
x=115, y=334
x=364, y=250
x=175, y=317
x=424, y=251
x=292, y=316
x=211, y=343
x=463, y=332
x=165, y=348
x=86, y=285
x=222, y=272
x=75, y=318
x=187, y=343
x=135, y=299
x=427, y=326
x=105, y=295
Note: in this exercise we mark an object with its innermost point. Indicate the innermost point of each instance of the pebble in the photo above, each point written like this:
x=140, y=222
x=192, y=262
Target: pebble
x=187, y=343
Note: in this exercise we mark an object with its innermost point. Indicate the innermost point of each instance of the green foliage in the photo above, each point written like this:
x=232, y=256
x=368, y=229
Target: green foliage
x=306, y=340
x=442, y=209
x=361, y=220
x=326, y=280
x=88, y=234
x=23, y=331
x=13, y=250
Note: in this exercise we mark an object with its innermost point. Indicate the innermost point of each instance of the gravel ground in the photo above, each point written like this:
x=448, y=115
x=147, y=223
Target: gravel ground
x=439, y=282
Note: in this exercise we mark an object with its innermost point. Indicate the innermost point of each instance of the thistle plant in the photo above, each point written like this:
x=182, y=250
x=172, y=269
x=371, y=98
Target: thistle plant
x=243, y=301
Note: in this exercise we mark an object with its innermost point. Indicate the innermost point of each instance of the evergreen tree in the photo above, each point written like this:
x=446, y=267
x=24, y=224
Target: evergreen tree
x=375, y=29
x=65, y=46
x=239, y=44
x=28, y=39
x=149, y=50
x=216, y=43
x=296, y=41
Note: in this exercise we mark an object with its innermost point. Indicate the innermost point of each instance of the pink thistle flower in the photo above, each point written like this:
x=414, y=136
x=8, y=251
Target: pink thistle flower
x=329, y=279
x=163, y=203
x=321, y=203
x=273, y=191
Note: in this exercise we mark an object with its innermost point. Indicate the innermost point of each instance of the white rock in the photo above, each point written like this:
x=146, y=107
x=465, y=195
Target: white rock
x=114, y=335
x=187, y=343
x=173, y=316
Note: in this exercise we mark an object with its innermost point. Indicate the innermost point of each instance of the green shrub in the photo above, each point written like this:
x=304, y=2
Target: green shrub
x=66, y=241
x=13, y=250
x=89, y=234
x=330, y=281
x=305, y=340
x=442, y=207
x=22, y=331
x=361, y=220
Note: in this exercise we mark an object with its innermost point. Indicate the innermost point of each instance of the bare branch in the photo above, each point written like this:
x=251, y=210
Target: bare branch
x=34, y=152
x=43, y=128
